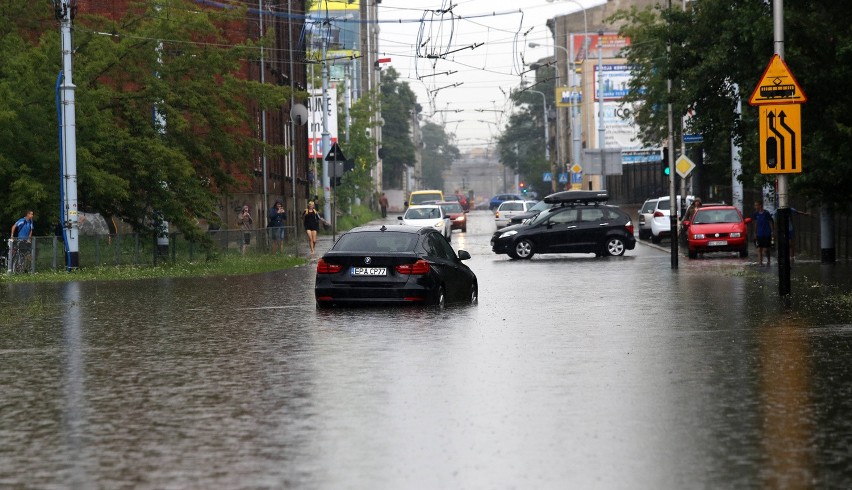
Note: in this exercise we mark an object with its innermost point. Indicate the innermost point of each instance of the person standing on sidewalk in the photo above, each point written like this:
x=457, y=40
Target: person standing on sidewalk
x=246, y=223
x=23, y=228
x=763, y=228
x=383, y=203
x=277, y=220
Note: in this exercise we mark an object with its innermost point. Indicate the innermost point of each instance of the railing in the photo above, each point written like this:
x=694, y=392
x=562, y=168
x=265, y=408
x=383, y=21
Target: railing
x=48, y=253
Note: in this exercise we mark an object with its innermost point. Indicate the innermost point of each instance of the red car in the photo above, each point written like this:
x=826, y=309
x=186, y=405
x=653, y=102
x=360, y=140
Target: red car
x=458, y=216
x=717, y=229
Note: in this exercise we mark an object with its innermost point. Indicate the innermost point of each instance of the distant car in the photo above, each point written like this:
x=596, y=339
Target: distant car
x=424, y=197
x=428, y=215
x=646, y=216
x=582, y=223
x=508, y=209
x=393, y=265
x=495, y=201
x=531, y=213
x=457, y=215
x=717, y=229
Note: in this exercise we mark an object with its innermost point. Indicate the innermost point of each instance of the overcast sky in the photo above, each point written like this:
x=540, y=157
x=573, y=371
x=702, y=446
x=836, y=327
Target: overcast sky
x=482, y=76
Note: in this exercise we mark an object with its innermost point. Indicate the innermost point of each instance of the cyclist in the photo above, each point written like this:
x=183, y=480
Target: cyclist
x=23, y=228
x=22, y=233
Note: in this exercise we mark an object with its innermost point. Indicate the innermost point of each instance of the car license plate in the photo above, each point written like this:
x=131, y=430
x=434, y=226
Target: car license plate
x=369, y=271
x=717, y=243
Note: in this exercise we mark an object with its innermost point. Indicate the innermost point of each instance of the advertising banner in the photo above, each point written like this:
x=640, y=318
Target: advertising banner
x=315, y=110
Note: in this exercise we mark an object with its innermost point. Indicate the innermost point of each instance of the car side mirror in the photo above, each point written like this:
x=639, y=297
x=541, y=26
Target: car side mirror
x=686, y=222
x=399, y=218
x=463, y=255
x=405, y=203
x=747, y=220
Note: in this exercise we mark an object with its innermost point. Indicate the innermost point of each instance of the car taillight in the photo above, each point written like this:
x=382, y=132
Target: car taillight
x=497, y=214
x=629, y=227
x=324, y=267
x=417, y=268
x=658, y=214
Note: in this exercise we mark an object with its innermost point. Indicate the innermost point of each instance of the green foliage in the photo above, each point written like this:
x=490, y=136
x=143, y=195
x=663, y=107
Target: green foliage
x=438, y=155
x=360, y=148
x=718, y=46
x=130, y=164
x=399, y=104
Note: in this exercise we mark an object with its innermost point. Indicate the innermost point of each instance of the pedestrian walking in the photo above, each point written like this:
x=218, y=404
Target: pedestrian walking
x=246, y=224
x=383, y=203
x=277, y=220
x=763, y=230
x=312, y=223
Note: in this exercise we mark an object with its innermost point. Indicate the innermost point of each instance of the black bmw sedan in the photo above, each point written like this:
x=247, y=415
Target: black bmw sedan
x=395, y=264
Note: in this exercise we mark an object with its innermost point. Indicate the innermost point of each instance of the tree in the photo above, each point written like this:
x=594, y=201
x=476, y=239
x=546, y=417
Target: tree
x=438, y=155
x=358, y=182
x=166, y=56
x=399, y=104
x=706, y=76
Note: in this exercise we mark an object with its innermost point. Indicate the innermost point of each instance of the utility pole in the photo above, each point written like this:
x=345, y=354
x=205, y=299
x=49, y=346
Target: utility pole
x=672, y=196
x=65, y=11
x=783, y=212
x=326, y=136
x=263, y=112
x=601, y=128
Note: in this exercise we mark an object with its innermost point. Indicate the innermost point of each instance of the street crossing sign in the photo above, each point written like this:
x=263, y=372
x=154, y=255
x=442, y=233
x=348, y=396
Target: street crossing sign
x=777, y=86
x=780, y=139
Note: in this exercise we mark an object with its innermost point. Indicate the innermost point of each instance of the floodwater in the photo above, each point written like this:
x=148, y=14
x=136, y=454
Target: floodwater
x=571, y=372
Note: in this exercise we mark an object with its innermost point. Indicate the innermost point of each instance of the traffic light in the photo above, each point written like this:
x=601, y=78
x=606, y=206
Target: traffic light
x=664, y=163
x=523, y=188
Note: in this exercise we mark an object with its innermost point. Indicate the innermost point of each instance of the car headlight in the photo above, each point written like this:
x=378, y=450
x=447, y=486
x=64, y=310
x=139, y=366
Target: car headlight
x=698, y=236
x=509, y=233
x=460, y=218
x=439, y=224
x=736, y=234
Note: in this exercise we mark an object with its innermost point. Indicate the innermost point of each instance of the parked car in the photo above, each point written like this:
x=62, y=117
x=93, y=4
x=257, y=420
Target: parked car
x=646, y=216
x=582, y=223
x=456, y=213
x=393, y=265
x=428, y=215
x=424, y=197
x=507, y=209
x=660, y=225
x=717, y=229
x=531, y=213
x=495, y=201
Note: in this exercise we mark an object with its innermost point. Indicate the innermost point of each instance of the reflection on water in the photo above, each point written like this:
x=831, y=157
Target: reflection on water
x=571, y=372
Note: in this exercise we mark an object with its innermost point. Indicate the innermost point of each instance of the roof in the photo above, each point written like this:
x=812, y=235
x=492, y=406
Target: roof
x=394, y=228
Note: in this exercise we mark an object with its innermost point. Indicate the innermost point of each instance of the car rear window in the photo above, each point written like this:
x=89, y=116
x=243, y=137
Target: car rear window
x=376, y=241
x=512, y=206
x=664, y=205
x=452, y=208
x=649, y=207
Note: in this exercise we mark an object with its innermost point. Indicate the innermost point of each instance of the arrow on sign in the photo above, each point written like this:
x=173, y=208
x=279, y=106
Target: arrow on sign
x=774, y=151
x=781, y=118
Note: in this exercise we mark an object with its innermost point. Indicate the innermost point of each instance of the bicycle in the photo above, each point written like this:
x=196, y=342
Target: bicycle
x=20, y=256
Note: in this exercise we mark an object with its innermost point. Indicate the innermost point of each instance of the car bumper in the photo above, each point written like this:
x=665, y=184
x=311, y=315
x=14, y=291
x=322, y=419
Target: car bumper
x=361, y=296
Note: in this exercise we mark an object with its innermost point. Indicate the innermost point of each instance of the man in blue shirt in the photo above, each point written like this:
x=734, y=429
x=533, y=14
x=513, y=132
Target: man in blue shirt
x=23, y=228
x=763, y=231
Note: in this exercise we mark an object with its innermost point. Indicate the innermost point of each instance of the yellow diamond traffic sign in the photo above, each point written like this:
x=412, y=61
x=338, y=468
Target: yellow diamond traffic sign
x=684, y=166
x=576, y=168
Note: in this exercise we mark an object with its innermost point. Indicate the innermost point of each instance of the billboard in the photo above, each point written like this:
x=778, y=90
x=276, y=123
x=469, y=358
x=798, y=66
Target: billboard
x=611, y=45
x=315, y=110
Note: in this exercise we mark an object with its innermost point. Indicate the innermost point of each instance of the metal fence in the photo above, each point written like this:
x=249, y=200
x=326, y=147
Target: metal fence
x=48, y=253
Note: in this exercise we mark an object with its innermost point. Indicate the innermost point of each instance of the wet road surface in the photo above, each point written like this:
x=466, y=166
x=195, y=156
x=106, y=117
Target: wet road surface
x=571, y=372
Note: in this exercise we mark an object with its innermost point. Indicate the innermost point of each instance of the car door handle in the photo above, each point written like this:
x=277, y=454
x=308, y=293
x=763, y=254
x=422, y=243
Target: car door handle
x=570, y=227
x=603, y=224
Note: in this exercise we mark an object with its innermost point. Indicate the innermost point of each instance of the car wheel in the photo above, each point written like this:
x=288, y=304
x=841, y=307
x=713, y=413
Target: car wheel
x=744, y=252
x=692, y=254
x=615, y=246
x=524, y=249
x=655, y=239
x=474, y=294
x=440, y=298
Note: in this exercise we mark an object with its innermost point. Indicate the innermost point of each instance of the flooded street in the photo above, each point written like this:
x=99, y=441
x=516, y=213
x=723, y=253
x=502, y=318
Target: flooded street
x=571, y=372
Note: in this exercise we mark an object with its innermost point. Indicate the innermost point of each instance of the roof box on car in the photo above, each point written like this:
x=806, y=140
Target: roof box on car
x=576, y=196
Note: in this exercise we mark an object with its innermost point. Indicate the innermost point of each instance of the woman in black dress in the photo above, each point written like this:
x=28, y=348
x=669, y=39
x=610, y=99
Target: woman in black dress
x=312, y=223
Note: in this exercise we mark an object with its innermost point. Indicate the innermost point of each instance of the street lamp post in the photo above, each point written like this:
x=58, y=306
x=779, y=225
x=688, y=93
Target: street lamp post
x=546, y=135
